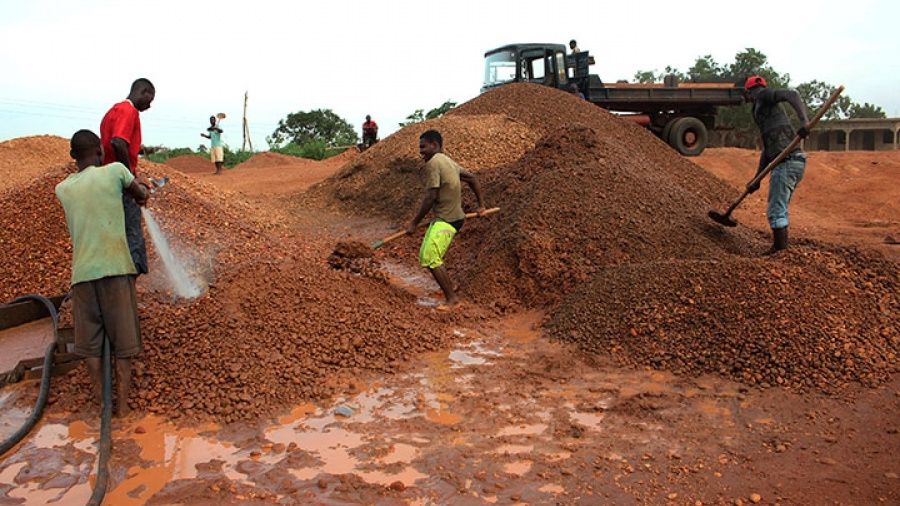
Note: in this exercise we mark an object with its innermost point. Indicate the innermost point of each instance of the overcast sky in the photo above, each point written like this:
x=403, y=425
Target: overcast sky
x=63, y=64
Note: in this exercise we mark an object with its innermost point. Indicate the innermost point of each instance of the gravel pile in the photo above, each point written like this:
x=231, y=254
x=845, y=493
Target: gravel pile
x=384, y=180
x=27, y=157
x=810, y=319
x=269, y=159
x=191, y=164
x=606, y=228
x=276, y=327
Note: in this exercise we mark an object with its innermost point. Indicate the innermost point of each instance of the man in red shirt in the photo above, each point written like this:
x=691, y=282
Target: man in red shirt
x=370, y=132
x=120, y=135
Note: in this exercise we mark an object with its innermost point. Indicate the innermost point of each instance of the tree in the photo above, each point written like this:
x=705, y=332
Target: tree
x=416, y=117
x=707, y=69
x=645, y=76
x=816, y=93
x=419, y=115
x=866, y=110
x=320, y=125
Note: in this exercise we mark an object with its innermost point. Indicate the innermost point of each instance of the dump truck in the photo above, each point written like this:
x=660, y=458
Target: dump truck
x=681, y=114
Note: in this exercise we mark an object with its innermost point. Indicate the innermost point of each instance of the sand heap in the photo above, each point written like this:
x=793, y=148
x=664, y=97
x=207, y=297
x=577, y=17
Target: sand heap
x=27, y=157
x=270, y=159
x=191, y=164
x=276, y=327
x=814, y=317
x=384, y=179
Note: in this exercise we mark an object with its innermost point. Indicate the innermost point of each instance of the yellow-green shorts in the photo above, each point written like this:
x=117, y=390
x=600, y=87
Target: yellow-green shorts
x=217, y=154
x=435, y=243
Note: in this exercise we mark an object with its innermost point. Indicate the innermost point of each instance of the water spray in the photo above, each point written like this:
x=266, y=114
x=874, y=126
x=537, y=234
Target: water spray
x=183, y=285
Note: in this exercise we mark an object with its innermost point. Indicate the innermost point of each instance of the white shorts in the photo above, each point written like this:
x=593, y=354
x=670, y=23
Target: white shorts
x=216, y=154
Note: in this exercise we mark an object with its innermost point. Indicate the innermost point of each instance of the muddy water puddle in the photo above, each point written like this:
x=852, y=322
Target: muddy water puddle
x=499, y=407
x=502, y=416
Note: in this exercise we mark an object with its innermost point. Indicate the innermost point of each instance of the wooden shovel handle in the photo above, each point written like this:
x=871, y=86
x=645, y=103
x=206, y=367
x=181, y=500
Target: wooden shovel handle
x=401, y=233
x=788, y=150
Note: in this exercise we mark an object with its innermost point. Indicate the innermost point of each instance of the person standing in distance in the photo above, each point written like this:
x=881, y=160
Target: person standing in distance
x=120, y=135
x=104, y=302
x=443, y=196
x=216, y=150
x=370, y=132
x=777, y=133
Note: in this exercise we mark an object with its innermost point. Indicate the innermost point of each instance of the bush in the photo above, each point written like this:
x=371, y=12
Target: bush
x=314, y=150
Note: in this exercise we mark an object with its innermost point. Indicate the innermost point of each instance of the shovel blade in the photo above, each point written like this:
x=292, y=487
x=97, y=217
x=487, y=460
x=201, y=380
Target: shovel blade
x=722, y=219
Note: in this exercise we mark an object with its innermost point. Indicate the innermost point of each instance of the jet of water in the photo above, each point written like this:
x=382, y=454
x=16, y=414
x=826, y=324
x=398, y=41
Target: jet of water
x=182, y=284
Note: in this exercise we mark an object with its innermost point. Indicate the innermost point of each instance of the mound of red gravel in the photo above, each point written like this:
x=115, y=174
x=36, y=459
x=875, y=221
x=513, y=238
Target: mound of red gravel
x=24, y=158
x=808, y=319
x=191, y=164
x=606, y=227
x=275, y=328
x=269, y=159
x=384, y=179
x=579, y=202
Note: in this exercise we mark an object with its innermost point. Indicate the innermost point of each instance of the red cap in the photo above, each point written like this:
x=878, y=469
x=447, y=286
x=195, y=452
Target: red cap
x=753, y=82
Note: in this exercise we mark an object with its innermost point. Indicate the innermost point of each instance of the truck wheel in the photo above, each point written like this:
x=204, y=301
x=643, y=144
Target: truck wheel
x=689, y=136
x=667, y=130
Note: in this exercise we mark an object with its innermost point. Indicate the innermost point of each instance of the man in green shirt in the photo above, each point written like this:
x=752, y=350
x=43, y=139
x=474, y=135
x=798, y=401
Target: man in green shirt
x=443, y=196
x=103, y=274
x=216, y=148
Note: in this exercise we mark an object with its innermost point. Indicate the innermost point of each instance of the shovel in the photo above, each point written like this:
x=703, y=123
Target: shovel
x=158, y=183
x=401, y=233
x=725, y=219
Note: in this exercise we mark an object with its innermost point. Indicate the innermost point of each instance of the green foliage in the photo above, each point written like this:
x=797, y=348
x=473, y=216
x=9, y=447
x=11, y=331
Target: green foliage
x=866, y=110
x=419, y=115
x=232, y=158
x=645, y=76
x=706, y=69
x=319, y=125
x=314, y=150
x=416, y=117
x=816, y=93
x=160, y=154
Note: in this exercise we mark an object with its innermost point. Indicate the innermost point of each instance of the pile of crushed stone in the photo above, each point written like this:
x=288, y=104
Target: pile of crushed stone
x=191, y=164
x=275, y=328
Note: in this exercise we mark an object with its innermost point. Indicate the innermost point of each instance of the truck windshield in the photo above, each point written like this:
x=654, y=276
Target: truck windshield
x=499, y=68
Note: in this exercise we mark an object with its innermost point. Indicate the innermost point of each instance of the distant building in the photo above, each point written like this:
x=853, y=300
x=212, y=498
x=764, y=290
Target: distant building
x=876, y=134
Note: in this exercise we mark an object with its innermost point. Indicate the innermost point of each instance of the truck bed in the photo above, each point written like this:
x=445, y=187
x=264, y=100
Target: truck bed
x=649, y=99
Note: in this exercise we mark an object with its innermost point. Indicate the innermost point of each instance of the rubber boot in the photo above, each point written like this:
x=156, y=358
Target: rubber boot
x=779, y=240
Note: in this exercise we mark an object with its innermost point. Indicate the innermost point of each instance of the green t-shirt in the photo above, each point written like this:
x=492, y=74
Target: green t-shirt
x=443, y=173
x=215, y=138
x=92, y=199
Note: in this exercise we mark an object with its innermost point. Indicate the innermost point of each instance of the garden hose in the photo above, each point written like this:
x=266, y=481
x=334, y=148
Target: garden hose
x=20, y=434
x=106, y=416
x=105, y=429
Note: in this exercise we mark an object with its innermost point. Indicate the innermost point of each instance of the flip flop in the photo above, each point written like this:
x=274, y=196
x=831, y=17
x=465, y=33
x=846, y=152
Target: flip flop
x=445, y=307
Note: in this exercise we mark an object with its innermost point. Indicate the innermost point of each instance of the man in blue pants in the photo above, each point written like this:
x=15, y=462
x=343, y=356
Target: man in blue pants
x=777, y=133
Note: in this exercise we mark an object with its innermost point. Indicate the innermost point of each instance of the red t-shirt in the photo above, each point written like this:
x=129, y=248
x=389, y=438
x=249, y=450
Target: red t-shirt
x=122, y=121
x=370, y=126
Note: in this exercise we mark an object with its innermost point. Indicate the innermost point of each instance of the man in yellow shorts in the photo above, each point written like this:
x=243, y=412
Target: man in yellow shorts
x=443, y=196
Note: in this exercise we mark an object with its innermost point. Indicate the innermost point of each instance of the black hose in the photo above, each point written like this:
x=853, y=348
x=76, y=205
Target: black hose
x=105, y=429
x=106, y=416
x=20, y=434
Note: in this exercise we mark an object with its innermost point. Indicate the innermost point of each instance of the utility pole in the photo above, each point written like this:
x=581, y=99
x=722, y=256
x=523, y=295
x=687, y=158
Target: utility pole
x=247, y=139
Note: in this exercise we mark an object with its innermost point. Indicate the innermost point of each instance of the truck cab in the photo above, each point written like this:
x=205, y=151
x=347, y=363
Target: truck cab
x=526, y=63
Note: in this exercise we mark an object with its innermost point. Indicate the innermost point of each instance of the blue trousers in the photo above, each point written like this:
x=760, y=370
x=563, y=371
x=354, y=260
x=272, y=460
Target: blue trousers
x=782, y=183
